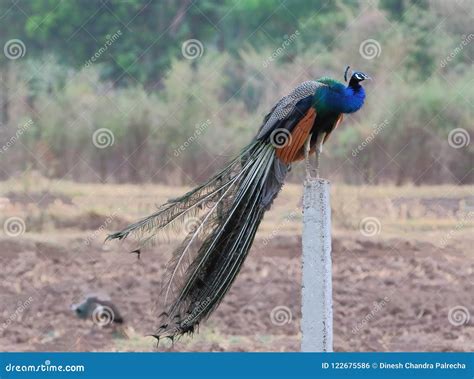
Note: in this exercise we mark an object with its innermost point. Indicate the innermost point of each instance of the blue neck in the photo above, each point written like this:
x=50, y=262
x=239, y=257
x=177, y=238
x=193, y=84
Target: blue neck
x=342, y=99
x=353, y=99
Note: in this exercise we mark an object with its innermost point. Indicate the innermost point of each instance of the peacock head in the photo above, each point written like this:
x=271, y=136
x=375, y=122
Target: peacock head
x=356, y=77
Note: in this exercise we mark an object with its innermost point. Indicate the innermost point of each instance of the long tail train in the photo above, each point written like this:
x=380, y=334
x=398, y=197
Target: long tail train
x=230, y=207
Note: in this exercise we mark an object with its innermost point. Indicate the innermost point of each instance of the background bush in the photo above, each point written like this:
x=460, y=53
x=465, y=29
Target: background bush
x=176, y=120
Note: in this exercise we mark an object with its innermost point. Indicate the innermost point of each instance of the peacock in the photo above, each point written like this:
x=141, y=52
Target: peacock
x=226, y=210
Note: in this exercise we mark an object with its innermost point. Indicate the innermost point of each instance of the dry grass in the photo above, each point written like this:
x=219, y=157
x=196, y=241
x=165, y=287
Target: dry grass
x=48, y=205
x=415, y=223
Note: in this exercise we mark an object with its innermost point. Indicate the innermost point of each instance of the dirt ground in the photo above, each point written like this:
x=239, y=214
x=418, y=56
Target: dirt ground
x=392, y=292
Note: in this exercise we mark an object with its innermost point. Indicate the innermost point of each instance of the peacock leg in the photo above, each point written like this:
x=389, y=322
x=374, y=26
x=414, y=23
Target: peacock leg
x=319, y=150
x=307, y=147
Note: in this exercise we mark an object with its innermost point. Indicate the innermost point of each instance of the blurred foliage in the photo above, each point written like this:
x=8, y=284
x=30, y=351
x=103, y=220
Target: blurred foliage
x=176, y=120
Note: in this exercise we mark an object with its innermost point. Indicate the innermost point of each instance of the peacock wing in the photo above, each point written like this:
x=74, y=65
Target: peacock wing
x=286, y=113
x=289, y=150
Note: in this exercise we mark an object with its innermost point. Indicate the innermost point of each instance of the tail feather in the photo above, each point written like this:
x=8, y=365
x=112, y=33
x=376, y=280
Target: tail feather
x=275, y=181
x=174, y=212
x=206, y=264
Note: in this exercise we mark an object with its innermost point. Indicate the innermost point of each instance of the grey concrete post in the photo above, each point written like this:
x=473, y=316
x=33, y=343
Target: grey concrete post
x=316, y=323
